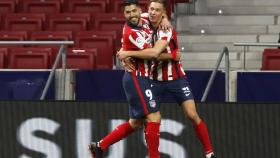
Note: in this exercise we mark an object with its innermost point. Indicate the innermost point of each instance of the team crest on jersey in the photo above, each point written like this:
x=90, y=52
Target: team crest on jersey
x=152, y=103
x=140, y=40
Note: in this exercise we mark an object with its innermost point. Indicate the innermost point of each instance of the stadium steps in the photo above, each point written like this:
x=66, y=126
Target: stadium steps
x=207, y=60
x=227, y=29
x=213, y=3
x=214, y=55
x=224, y=30
x=217, y=38
x=185, y=22
x=246, y=10
x=274, y=29
x=210, y=64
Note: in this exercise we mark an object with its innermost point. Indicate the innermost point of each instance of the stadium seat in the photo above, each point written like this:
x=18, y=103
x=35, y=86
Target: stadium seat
x=13, y=36
x=118, y=5
x=41, y=6
x=111, y=22
x=51, y=35
x=29, y=61
x=271, y=59
x=90, y=34
x=1, y=22
x=24, y=22
x=2, y=58
x=92, y=40
x=81, y=60
x=29, y=58
x=69, y=22
x=8, y=6
x=87, y=6
x=103, y=44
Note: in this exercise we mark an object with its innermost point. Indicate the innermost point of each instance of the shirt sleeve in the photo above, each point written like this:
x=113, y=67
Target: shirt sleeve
x=145, y=15
x=138, y=40
x=165, y=35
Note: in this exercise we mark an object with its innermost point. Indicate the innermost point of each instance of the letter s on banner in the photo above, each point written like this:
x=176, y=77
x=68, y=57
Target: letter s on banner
x=28, y=140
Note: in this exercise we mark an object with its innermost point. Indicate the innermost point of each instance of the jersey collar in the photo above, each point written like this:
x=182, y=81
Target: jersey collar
x=136, y=27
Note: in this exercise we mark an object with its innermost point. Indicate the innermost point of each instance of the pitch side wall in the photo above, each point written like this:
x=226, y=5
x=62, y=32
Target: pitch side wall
x=63, y=130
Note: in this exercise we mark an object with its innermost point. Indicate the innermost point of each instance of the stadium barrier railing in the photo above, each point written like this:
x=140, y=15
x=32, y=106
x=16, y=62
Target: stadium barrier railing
x=247, y=45
x=61, y=54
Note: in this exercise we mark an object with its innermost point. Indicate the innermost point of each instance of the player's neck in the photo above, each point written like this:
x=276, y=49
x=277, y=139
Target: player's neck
x=155, y=24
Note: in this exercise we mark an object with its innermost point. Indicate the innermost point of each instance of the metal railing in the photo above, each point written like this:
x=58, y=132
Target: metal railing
x=246, y=45
x=213, y=75
x=61, y=53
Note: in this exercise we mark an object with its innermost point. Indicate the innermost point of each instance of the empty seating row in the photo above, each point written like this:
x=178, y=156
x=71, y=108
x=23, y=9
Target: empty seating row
x=104, y=41
x=60, y=6
x=40, y=58
x=63, y=22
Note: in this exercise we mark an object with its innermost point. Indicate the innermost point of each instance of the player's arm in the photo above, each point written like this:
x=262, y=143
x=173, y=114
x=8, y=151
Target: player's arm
x=128, y=65
x=175, y=55
x=149, y=53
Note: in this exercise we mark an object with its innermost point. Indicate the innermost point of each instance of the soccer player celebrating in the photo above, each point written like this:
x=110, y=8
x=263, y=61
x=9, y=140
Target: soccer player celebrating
x=167, y=71
x=137, y=85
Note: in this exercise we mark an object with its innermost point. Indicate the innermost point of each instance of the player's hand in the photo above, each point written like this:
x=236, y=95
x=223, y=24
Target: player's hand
x=122, y=54
x=128, y=65
x=178, y=56
x=165, y=24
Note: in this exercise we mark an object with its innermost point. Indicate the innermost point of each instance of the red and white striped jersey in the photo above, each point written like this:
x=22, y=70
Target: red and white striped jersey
x=167, y=70
x=138, y=38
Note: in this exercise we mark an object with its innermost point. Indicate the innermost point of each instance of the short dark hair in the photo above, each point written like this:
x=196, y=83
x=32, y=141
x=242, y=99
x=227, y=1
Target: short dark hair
x=130, y=2
x=163, y=2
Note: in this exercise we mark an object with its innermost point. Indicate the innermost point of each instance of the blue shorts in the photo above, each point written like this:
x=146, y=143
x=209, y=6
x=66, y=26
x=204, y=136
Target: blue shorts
x=139, y=95
x=179, y=89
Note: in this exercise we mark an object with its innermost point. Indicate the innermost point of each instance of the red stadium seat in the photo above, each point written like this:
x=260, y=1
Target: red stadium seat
x=69, y=22
x=51, y=35
x=271, y=59
x=1, y=22
x=29, y=58
x=7, y=6
x=24, y=22
x=89, y=34
x=4, y=50
x=2, y=58
x=118, y=5
x=87, y=6
x=81, y=60
x=13, y=36
x=91, y=40
x=111, y=22
x=103, y=44
x=41, y=6
x=29, y=61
